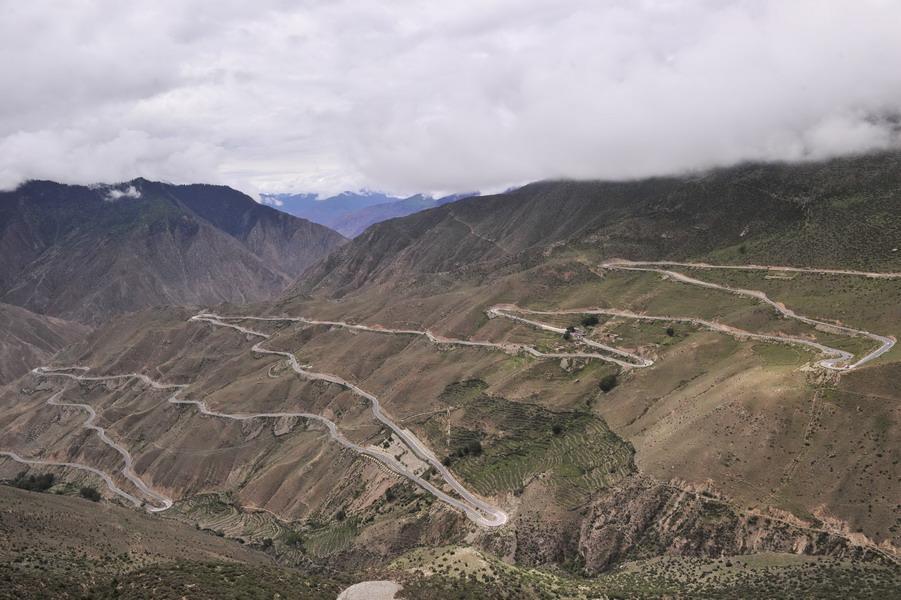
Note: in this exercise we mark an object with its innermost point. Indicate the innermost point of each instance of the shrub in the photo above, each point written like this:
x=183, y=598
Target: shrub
x=89, y=493
x=474, y=447
x=608, y=382
x=39, y=483
x=590, y=320
x=292, y=538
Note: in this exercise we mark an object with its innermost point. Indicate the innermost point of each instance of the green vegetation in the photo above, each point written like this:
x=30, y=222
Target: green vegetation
x=165, y=581
x=576, y=449
x=331, y=539
x=608, y=382
x=590, y=320
x=89, y=493
x=33, y=483
x=452, y=573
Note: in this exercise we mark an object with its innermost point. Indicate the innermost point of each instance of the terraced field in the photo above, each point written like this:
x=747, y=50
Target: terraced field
x=576, y=449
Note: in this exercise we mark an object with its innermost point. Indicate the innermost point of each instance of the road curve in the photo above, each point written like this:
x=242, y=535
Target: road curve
x=475, y=508
x=479, y=512
x=50, y=463
x=164, y=503
x=499, y=310
x=712, y=325
x=836, y=364
x=703, y=265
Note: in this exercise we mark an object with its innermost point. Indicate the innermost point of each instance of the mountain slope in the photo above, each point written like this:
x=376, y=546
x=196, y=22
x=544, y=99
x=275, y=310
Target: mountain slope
x=840, y=213
x=87, y=253
x=287, y=242
x=30, y=339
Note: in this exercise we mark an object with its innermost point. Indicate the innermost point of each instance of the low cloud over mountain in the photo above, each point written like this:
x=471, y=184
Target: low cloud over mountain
x=439, y=97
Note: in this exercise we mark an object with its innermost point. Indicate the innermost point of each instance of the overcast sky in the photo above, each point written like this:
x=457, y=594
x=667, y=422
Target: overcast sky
x=277, y=95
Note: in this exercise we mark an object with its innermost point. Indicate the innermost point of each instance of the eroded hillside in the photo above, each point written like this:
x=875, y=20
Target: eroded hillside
x=465, y=377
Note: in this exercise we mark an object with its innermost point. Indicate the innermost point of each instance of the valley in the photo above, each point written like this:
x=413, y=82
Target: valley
x=566, y=413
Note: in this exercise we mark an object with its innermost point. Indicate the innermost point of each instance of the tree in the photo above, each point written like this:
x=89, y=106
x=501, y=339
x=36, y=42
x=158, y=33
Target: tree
x=567, y=335
x=608, y=382
x=89, y=493
x=474, y=447
x=590, y=320
x=670, y=331
x=557, y=428
x=340, y=515
x=293, y=539
x=39, y=483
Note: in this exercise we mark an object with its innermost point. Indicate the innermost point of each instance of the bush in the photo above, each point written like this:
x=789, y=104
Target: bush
x=474, y=447
x=292, y=538
x=340, y=515
x=590, y=320
x=40, y=483
x=567, y=335
x=557, y=428
x=670, y=331
x=89, y=493
x=608, y=382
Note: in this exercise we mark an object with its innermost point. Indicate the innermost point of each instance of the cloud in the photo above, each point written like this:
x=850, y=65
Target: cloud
x=408, y=96
x=129, y=192
x=271, y=200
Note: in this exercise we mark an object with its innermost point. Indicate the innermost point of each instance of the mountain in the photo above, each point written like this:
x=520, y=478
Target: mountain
x=842, y=212
x=441, y=392
x=85, y=253
x=326, y=210
x=29, y=339
x=350, y=213
x=356, y=222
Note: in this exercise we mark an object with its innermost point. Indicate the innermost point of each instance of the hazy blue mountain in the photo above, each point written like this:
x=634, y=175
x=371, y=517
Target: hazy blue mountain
x=350, y=213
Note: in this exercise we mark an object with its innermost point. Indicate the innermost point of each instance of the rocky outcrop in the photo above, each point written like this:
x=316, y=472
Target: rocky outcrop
x=642, y=518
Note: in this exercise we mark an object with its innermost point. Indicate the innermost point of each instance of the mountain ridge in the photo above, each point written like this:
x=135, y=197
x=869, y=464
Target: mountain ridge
x=85, y=253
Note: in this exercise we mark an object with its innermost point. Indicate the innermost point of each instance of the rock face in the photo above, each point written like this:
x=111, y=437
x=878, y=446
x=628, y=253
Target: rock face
x=643, y=518
x=87, y=253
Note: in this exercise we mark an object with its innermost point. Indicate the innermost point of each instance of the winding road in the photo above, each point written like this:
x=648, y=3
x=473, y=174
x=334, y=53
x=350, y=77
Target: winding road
x=475, y=508
x=885, y=342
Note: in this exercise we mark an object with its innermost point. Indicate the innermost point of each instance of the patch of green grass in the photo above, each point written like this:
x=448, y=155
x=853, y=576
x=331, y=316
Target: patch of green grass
x=781, y=355
x=576, y=449
x=331, y=539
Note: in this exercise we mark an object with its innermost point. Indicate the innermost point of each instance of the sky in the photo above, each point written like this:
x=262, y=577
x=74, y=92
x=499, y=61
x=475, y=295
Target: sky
x=291, y=96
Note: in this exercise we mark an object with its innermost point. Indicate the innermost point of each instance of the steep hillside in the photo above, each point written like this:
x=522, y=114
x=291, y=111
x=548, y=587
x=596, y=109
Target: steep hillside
x=105, y=551
x=476, y=381
x=288, y=243
x=840, y=213
x=87, y=253
x=29, y=339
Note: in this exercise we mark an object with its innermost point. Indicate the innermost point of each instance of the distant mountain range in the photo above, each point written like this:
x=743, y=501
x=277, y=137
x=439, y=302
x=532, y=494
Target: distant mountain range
x=351, y=213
